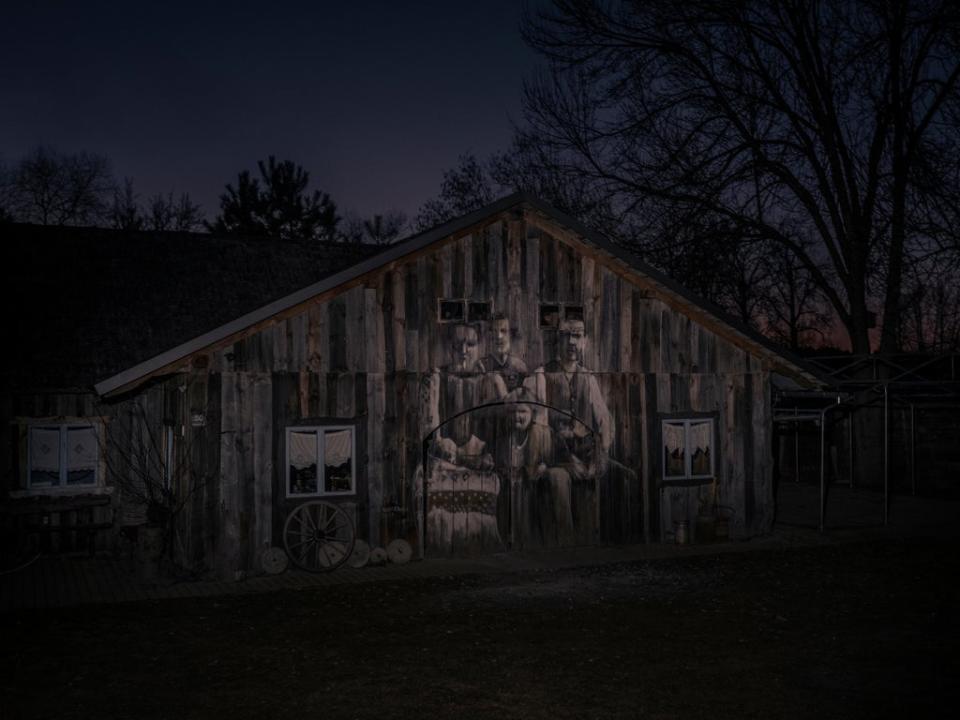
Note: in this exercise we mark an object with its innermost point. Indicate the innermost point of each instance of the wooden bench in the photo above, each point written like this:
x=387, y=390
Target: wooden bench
x=46, y=516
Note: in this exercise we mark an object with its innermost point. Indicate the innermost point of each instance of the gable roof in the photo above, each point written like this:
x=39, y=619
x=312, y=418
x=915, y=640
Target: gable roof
x=88, y=303
x=668, y=290
x=675, y=294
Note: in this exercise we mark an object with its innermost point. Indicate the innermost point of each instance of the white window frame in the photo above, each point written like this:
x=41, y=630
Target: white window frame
x=320, y=431
x=686, y=422
x=62, y=487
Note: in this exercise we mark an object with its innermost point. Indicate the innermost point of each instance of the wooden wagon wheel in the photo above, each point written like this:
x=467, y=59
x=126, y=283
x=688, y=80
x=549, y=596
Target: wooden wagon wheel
x=318, y=536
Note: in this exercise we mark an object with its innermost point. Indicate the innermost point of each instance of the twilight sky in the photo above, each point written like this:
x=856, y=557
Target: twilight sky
x=374, y=98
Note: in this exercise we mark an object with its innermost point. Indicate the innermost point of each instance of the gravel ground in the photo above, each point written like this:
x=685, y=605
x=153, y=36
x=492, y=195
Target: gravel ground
x=855, y=630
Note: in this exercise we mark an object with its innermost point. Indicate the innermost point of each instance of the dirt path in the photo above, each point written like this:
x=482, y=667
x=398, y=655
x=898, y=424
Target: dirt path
x=855, y=630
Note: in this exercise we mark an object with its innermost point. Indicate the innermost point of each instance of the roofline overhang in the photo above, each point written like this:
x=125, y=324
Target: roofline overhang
x=783, y=360
x=125, y=379
x=167, y=361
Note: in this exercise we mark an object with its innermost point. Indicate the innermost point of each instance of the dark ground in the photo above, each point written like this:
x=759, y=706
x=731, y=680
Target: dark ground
x=859, y=630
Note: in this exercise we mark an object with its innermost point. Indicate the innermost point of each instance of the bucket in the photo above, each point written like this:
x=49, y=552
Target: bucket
x=681, y=533
x=724, y=514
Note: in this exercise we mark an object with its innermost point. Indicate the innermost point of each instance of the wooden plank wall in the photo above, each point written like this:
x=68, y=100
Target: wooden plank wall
x=361, y=356
x=131, y=438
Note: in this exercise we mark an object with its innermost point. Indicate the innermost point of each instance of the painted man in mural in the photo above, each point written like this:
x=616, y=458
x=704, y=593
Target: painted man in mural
x=582, y=433
x=501, y=360
x=564, y=384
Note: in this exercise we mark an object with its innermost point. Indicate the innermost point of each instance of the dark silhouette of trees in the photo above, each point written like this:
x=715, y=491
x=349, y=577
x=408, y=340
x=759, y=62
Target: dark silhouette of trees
x=179, y=214
x=384, y=228
x=827, y=129
x=277, y=204
x=931, y=321
x=162, y=213
x=125, y=213
x=466, y=187
x=53, y=188
x=795, y=311
x=6, y=194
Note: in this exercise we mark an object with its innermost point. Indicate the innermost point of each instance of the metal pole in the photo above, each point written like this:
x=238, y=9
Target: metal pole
x=422, y=530
x=823, y=463
x=913, y=449
x=886, y=454
x=796, y=444
x=850, y=444
x=823, y=474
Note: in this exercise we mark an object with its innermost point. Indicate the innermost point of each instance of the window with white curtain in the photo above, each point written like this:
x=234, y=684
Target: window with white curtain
x=688, y=452
x=62, y=456
x=320, y=461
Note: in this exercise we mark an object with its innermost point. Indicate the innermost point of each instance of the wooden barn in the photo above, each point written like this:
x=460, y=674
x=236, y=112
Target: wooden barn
x=507, y=380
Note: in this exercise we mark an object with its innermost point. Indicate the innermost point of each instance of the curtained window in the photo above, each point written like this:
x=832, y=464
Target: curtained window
x=688, y=449
x=320, y=461
x=62, y=456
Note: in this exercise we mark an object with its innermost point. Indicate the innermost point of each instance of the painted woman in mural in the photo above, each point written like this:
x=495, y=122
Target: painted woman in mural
x=456, y=387
x=463, y=489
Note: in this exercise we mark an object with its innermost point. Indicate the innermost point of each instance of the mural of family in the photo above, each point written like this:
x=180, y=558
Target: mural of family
x=524, y=470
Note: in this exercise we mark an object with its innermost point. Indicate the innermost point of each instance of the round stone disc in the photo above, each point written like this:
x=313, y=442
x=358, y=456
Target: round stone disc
x=273, y=560
x=399, y=552
x=360, y=555
x=378, y=556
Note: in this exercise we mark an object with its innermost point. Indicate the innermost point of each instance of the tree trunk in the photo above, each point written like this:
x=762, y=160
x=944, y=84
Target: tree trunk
x=858, y=327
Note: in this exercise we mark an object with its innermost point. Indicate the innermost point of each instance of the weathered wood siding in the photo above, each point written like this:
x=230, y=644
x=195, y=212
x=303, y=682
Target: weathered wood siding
x=362, y=355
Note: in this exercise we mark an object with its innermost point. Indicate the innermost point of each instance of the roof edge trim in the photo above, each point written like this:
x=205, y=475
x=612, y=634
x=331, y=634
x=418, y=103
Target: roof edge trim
x=131, y=375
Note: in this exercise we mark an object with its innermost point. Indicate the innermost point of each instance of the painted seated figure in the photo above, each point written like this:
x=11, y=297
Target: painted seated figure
x=462, y=489
x=457, y=387
x=577, y=411
x=582, y=433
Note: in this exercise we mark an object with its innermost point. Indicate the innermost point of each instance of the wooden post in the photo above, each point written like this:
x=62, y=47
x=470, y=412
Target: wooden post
x=913, y=449
x=886, y=454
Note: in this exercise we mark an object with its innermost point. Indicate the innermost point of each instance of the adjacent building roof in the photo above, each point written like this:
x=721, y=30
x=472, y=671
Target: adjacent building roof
x=88, y=303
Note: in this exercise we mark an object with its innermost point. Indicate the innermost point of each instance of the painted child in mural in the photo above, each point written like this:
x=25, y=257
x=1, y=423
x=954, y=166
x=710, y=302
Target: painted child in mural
x=540, y=490
x=581, y=425
x=463, y=489
x=501, y=361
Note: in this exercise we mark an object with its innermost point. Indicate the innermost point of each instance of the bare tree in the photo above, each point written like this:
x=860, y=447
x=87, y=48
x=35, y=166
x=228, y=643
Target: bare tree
x=53, y=188
x=125, y=213
x=466, y=187
x=6, y=194
x=931, y=320
x=808, y=124
x=378, y=229
x=383, y=229
x=795, y=312
x=151, y=464
x=167, y=213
